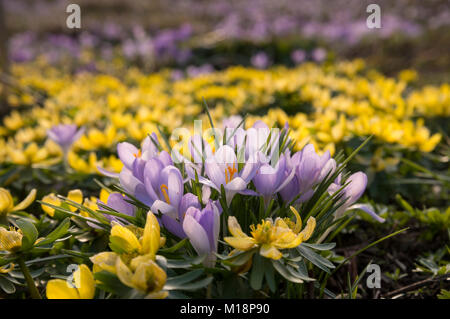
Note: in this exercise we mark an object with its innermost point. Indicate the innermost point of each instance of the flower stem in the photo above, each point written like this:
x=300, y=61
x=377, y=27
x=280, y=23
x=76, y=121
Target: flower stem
x=30, y=282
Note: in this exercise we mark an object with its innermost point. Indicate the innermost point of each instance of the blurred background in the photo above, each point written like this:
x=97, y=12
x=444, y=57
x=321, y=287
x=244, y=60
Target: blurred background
x=199, y=36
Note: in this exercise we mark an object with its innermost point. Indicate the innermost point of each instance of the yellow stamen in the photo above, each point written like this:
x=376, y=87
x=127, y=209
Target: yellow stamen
x=164, y=190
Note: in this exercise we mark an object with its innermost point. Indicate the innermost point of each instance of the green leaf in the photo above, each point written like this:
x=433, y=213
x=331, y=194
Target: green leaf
x=189, y=286
x=315, y=258
x=184, y=278
x=110, y=283
x=283, y=271
x=7, y=286
x=239, y=259
x=269, y=275
x=257, y=274
x=34, y=273
x=175, y=247
x=38, y=260
x=30, y=233
x=57, y=233
x=185, y=263
x=326, y=246
x=302, y=271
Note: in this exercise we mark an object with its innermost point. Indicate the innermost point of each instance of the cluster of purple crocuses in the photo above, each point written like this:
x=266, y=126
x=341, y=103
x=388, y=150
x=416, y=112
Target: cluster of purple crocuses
x=240, y=159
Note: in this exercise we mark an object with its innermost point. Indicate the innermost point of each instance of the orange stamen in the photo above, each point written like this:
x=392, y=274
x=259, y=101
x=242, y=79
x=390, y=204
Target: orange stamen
x=138, y=154
x=229, y=173
x=164, y=190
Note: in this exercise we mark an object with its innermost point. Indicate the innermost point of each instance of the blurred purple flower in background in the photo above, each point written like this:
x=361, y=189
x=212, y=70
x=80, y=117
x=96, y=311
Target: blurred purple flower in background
x=260, y=60
x=319, y=54
x=65, y=135
x=298, y=56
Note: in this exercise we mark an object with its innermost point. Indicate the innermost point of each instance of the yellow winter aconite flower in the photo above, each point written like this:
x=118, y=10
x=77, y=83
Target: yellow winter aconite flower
x=329, y=105
x=133, y=259
x=7, y=203
x=270, y=236
x=96, y=138
x=143, y=274
x=10, y=240
x=14, y=121
x=140, y=272
x=75, y=195
x=26, y=155
x=408, y=75
x=129, y=241
x=50, y=199
x=82, y=287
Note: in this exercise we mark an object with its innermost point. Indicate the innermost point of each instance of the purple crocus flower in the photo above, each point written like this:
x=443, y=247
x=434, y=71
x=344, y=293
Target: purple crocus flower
x=357, y=183
x=164, y=186
x=298, y=56
x=117, y=202
x=133, y=172
x=310, y=168
x=202, y=229
x=257, y=139
x=260, y=60
x=231, y=122
x=270, y=180
x=222, y=170
x=319, y=54
x=175, y=226
x=65, y=135
x=235, y=138
x=128, y=153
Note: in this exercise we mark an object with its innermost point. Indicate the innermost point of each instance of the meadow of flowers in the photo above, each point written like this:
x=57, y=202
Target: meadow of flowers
x=139, y=164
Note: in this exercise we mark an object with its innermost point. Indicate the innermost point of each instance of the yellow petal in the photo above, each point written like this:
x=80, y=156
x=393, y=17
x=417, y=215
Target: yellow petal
x=77, y=196
x=51, y=199
x=151, y=237
x=241, y=243
x=235, y=228
x=270, y=251
x=104, y=195
x=84, y=281
x=6, y=201
x=157, y=295
x=105, y=261
x=26, y=202
x=298, y=223
x=124, y=273
x=124, y=239
x=291, y=242
x=60, y=289
x=141, y=276
x=10, y=240
x=309, y=229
